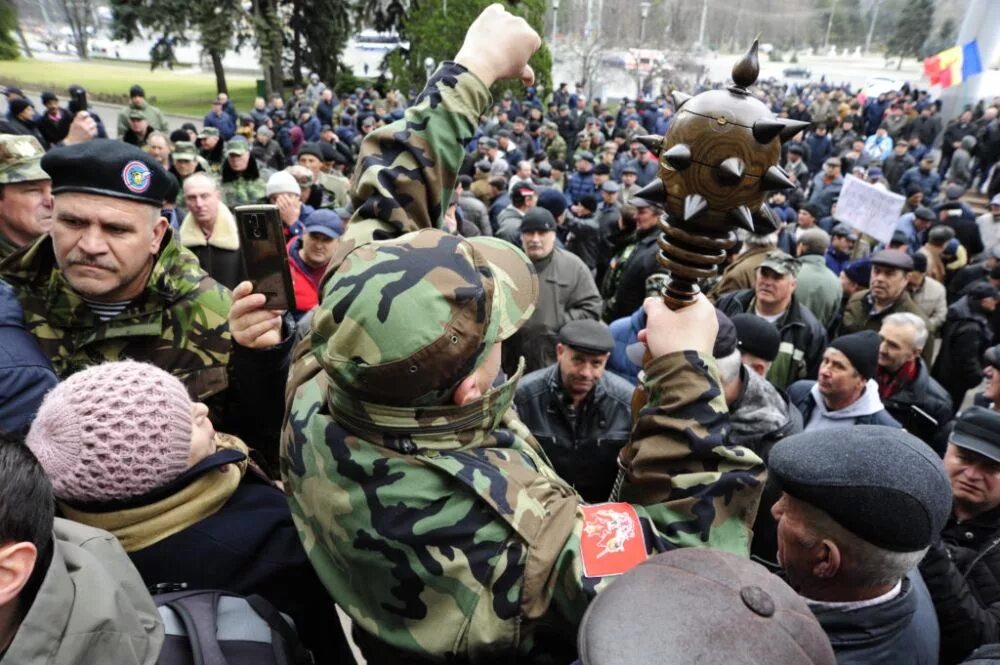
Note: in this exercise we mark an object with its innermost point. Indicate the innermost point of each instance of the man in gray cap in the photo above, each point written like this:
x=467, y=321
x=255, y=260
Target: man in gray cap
x=859, y=508
x=630, y=187
x=817, y=287
x=734, y=611
x=608, y=213
x=962, y=566
x=845, y=393
x=25, y=193
x=566, y=293
x=886, y=295
x=580, y=414
x=773, y=299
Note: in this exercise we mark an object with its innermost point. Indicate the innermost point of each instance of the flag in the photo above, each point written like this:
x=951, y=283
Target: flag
x=954, y=65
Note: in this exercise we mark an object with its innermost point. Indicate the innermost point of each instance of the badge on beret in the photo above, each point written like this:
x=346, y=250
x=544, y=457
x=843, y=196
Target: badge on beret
x=137, y=177
x=612, y=541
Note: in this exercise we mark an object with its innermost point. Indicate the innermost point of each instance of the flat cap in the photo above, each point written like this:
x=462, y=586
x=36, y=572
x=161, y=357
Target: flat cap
x=587, y=336
x=978, y=430
x=761, y=614
x=107, y=168
x=586, y=155
x=882, y=484
x=610, y=186
x=630, y=168
x=892, y=259
x=781, y=263
x=311, y=148
x=844, y=231
x=537, y=219
x=953, y=191
x=757, y=336
x=923, y=213
x=20, y=159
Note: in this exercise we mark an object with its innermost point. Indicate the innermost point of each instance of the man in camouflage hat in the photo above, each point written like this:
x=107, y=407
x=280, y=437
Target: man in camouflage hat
x=243, y=180
x=426, y=509
x=25, y=193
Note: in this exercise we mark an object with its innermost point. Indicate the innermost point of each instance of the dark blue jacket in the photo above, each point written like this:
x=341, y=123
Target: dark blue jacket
x=625, y=332
x=224, y=123
x=901, y=631
x=25, y=373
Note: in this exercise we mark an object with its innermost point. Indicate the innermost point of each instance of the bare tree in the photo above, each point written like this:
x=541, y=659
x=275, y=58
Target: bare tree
x=80, y=16
x=589, y=56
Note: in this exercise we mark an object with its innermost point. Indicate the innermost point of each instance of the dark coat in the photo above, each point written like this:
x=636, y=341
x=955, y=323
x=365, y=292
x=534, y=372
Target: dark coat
x=800, y=393
x=962, y=571
x=25, y=373
x=249, y=546
x=901, y=631
x=583, y=447
x=965, y=336
x=631, y=289
x=929, y=396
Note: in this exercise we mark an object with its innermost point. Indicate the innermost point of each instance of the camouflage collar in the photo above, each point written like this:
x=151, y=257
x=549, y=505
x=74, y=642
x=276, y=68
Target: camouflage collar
x=416, y=430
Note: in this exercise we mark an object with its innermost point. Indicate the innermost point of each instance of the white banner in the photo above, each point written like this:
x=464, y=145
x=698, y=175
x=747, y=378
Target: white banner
x=869, y=209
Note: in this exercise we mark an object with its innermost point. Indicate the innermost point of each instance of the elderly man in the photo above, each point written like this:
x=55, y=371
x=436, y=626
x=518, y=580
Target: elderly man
x=742, y=272
x=961, y=567
x=25, y=193
x=626, y=277
x=566, y=293
x=907, y=390
x=928, y=294
x=845, y=393
x=243, y=181
x=209, y=231
x=859, y=508
x=773, y=299
x=580, y=414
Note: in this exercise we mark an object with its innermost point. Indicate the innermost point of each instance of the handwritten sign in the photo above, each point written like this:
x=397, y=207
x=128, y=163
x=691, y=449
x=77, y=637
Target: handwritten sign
x=869, y=209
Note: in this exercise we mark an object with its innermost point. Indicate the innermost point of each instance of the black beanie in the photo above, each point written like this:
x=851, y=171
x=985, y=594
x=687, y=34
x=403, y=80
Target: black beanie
x=17, y=106
x=861, y=348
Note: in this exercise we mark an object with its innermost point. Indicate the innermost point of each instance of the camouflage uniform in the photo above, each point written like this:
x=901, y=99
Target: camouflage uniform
x=555, y=148
x=338, y=187
x=20, y=161
x=179, y=325
x=442, y=530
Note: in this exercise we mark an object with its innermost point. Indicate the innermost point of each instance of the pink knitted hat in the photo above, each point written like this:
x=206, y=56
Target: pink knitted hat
x=113, y=431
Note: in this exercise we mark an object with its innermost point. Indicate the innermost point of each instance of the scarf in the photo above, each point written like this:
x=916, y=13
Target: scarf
x=138, y=528
x=889, y=384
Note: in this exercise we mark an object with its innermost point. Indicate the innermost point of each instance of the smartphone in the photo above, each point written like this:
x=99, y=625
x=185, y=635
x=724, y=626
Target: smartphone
x=265, y=259
x=77, y=100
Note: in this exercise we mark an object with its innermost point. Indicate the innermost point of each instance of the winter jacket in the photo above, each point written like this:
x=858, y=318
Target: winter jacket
x=894, y=167
x=474, y=211
x=243, y=187
x=582, y=237
x=818, y=289
x=25, y=373
x=923, y=407
x=803, y=338
x=867, y=410
x=270, y=155
x=965, y=337
x=741, y=273
x=304, y=281
x=900, y=631
x=579, y=185
x=823, y=193
x=582, y=446
x=820, y=147
x=222, y=122
x=627, y=277
x=858, y=315
x=932, y=299
x=220, y=254
x=91, y=607
x=962, y=571
x=928, y=181
x=566, y=292
x=21, y=128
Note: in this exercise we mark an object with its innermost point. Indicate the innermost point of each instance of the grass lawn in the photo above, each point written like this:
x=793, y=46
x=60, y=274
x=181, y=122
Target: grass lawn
x=179, y=91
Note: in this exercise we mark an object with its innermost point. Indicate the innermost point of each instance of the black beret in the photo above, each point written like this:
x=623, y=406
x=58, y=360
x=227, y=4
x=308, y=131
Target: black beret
x=762, y=615
x=327, y=151
x=108, y=168
x=538, y=219
x=757, y=336
x=588, y=336
x=313, y=149
x=861, y=348
x=882, y=484
x=978, y=429
x=602, y=169
x=919, y=262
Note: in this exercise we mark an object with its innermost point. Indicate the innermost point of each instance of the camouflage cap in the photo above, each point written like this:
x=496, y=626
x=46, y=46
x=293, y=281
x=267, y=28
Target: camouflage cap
x=136, y=114
x=208, y=131
x=403, y=321
x=185, y=150
x=237, y=146
x=20, y=159
x=781, y=263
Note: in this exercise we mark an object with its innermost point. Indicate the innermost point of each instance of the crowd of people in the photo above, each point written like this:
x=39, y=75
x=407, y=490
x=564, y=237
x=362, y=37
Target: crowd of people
x=442, y=437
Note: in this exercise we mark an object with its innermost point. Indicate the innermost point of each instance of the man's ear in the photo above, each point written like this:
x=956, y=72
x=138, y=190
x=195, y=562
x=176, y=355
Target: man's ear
x=466, y=391
x=828, y=560
x=17, y=561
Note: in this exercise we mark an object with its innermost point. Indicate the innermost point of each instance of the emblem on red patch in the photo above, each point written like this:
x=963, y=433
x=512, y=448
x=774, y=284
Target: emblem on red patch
x=612, y=541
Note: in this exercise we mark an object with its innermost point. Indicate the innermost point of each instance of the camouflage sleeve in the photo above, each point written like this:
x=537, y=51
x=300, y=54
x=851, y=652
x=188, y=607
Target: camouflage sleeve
x=687, y=488
x=406, y=171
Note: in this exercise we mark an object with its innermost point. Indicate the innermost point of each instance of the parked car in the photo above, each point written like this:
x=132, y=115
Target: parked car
x=797, y=72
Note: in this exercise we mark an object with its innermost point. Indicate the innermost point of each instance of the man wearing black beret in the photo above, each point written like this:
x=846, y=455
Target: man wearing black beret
x=845, y=393
x=962, y=567
x=578, y=412
x=110, y=282
x=859, y=508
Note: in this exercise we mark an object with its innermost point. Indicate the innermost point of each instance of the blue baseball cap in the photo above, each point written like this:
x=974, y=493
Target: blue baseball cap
x=324, y=221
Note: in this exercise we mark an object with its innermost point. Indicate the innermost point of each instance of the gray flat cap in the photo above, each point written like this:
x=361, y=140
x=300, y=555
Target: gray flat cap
x=587, y=336
x=883, y=485
x=731, y=607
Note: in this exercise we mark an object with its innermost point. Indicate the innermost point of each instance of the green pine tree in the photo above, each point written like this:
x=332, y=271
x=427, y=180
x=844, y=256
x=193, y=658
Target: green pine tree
x=8, y=26
x=912, y=30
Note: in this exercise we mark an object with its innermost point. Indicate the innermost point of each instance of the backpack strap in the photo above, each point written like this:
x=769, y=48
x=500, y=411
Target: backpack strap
x=198, y=612
x=283, y=637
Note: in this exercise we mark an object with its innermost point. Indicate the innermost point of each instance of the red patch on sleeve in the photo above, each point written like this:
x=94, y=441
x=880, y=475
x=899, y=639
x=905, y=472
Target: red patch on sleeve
x=612, y=541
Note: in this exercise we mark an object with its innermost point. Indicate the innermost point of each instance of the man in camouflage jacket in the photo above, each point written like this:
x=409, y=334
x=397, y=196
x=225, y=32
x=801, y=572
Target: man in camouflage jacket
x=25, y=193
x=428, y=510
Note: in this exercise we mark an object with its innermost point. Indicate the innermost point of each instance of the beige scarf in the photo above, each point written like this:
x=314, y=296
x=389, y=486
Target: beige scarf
x=138, y=528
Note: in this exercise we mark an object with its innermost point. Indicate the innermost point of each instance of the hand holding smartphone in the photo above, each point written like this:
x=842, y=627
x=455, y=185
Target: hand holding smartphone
x=265, y=259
